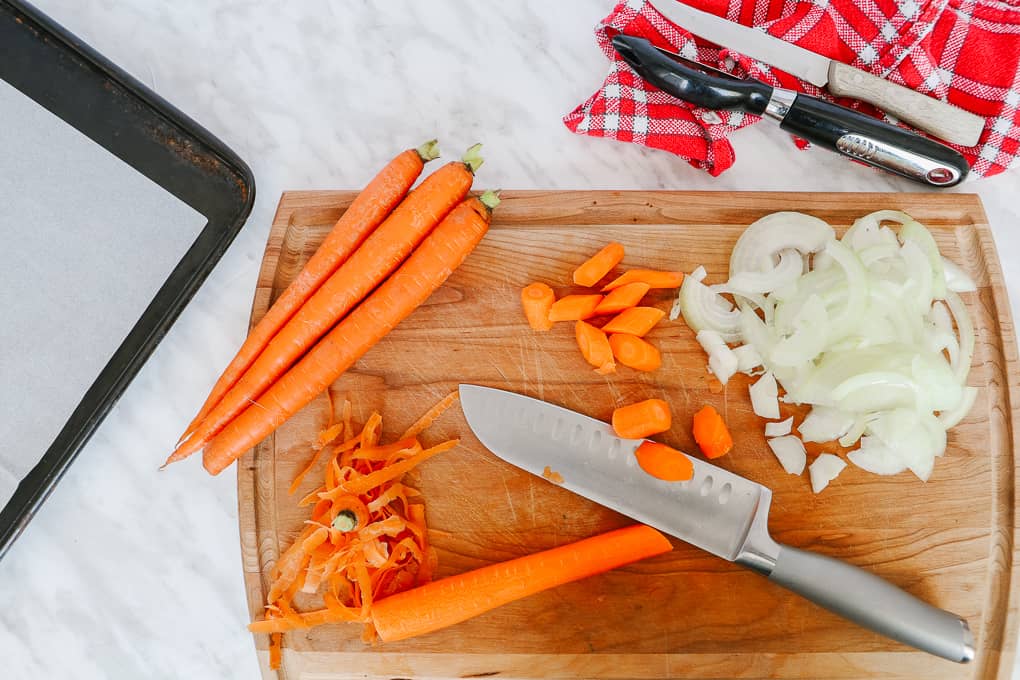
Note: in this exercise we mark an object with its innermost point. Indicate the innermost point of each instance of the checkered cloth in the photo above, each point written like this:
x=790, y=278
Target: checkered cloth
x=963, y=51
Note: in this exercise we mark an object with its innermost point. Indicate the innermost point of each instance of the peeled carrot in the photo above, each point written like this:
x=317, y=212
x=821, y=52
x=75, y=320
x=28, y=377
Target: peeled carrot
x=711, y=433
x=424, y=272
x=663, y=462
x=622, y=298
x=635, y=321
x=380, y=254
x=654, y=279
x=633, y=352
x=455, y=599
x=595, y=348
x=537, y=299
x=600, y=264
x=574, y=307
x=365, y=213
x=642, y=419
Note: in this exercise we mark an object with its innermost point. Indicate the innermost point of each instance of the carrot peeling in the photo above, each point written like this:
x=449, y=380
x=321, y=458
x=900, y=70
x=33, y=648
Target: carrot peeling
x=654, y=279
x=595, y=348
x=642, y=419
x=432, y=415
x=635, y=321
x=574, y=307
x=600, y=264
x=537, y=299
x=622, y=298
x=633, y=352
x=663, y=462
x=711, y=433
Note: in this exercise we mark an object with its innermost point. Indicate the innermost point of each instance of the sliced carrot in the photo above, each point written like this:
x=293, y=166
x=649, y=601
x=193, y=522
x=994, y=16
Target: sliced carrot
x=600, y=264
x=365, y=213
x=642, y=419
x=362, y=484
x=457, y=598
x=623, y=298
x=595, y=347
x=275, y=650
x=574, y=307
x=537, y=299
x=663, y=462
x=633, y=352
x=711, y=433
x=431, y=415
x=654, y=279
x=424, y=272
x=635, y=321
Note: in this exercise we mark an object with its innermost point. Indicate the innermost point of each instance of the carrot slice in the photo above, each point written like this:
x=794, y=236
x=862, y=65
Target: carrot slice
x=654, y=279
x=574, y=307
x=663, y=462
x=633, y=352
x=622, y=298
x=600, y=264
x=455, y=599
x=642, y=419
x=537, y=299
x=275, y=650
x=595, y=348
x=424, y=272
x=711, y=433
x=635, y=321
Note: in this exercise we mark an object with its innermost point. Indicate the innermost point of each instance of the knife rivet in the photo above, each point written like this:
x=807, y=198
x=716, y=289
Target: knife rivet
x=710, y=117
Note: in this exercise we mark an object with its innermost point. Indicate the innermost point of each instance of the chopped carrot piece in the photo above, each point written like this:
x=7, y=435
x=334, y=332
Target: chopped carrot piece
x=275, y=650
x=633, y=352
x=537, y=299
x=642, y=419
x=595, y=348
x=574, y=307
x=663, y=462
x=711, y=433
x=552, y=475
x=654, y=279
x=635, y=321
x=600, y=264
x=623, y=298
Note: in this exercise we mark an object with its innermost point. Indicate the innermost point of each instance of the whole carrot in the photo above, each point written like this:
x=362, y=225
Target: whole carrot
x=365, y=213
x=425, y=271
x=458, y=598
x=374, y=260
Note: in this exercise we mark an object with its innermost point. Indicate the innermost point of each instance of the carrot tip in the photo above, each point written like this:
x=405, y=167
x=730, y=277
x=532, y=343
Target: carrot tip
x=429, y=151
x=472, y=157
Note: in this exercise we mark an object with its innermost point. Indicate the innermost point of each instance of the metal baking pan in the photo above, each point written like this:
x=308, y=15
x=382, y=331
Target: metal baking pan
x=55, y=69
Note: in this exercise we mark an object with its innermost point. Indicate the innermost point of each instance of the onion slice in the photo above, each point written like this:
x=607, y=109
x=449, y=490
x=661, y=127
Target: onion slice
x=825, y=469
x=765, y=396
x=791, y=453
x=783, y=427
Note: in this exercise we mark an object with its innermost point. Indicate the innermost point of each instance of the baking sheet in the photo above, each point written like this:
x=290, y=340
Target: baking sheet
x=87, y=243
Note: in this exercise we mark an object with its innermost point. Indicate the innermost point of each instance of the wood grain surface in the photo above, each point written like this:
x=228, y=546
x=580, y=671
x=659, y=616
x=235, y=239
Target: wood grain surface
x=685, y=614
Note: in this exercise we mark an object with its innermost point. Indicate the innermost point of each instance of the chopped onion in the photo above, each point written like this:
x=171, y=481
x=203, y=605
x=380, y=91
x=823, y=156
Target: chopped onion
x=765, y=396
x=783, y=427
x=957, y=279
x=699, y=274
x=789, y=269
x=791, y=453
x=774, y=233
x=748, y=359
x=705, y=310
x=722, y=362
x=825, y=424
x=825, y=469
x=876, y=458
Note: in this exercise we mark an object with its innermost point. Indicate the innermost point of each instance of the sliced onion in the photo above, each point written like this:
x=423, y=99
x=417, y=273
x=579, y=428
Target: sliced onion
x=748, y=359
x=913, y=231
x=919, y=276
x=789, y=269
x=966, y=329
x=825, y=424
x=791, y=453
x=825, y=469
x=704, y=310
x=809, y=338
x=783, y=427
x=876, y=458
x=954, y=415
x=699, y=274
x=765, y=396
x=774, y=233
x=957, y=279
x=722, y=362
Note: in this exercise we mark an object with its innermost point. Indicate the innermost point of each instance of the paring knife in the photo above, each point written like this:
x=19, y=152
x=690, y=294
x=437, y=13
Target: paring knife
x=837, y=128
x=941, y=119
x=717, y=511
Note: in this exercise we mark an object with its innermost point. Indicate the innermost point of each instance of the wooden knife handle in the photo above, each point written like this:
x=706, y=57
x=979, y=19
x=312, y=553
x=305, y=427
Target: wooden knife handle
x=943, y=120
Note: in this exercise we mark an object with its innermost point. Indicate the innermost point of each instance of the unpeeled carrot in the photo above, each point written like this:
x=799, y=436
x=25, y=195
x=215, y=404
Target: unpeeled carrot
x=595, y=348
x=623, y=298
x=635, y=321
x=365, y=213
x=373, y=261
x=574, y=307
x=455, y=599
x=633, y=352
x=711, y=433
x=664, y=462
x=537, y=299
x=655, y=279
x=424, y=272
x=643, y=419
x=600, y=264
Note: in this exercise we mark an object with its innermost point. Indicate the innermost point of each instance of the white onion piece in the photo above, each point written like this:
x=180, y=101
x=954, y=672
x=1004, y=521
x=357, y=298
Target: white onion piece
x=783, y=427
x=704, y=310
x=954, y=415
x=825, y=424
x=765, y=396
x=789, y=269
x=748, y=359
x=774, y=233
x=919, y=276
x=825, y=469
x=791, y=453
x=722, y=362
x=913, y=231
x=876, y=458
x=957, y=279
x=966, y=330
x=699, y=274
x=855, y=432
x=856, y=305
x=809, y=337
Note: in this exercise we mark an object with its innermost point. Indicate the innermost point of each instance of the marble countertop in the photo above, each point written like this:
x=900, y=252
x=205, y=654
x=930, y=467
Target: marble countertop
x=131, y=573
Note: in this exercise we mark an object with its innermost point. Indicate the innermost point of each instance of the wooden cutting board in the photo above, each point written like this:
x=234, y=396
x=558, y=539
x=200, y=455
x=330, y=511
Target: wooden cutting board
x=686, y=614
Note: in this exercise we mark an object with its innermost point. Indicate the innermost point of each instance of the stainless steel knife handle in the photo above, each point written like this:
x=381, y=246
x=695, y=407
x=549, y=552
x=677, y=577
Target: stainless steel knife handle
x=873, y=603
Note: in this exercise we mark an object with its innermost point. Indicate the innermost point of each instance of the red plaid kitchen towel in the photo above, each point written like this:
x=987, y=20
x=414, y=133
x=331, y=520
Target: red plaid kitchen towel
x=963, y=51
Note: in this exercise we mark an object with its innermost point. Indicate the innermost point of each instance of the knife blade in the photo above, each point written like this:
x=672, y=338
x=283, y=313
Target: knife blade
x=716, y=510
x=939, y=118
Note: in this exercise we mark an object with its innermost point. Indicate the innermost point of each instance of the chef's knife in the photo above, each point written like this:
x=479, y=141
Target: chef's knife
x=941, y=119
x=837, y=128
x=717, y=511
